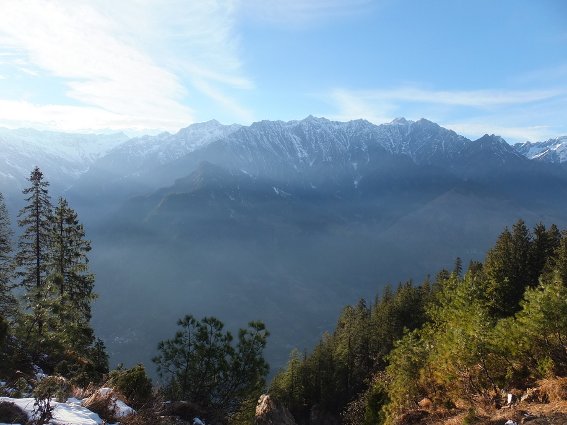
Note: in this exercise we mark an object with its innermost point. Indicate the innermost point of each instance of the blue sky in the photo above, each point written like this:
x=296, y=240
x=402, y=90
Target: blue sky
x=476, y=67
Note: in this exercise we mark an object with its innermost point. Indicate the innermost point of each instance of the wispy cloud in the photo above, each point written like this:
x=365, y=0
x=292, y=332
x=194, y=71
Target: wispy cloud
x=21, y=113
x=473, y=98
x=352, y=105
x=244, y=115
x=135, y=59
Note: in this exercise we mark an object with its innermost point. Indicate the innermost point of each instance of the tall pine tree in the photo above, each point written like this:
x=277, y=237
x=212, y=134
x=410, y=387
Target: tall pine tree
x=7, y=300
x=69, y=261
x=33, y=248
x=508, y=267
x=32, y=258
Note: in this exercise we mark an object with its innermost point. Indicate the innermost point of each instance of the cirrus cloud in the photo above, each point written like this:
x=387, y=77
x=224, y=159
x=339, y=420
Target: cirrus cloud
x=129, y=63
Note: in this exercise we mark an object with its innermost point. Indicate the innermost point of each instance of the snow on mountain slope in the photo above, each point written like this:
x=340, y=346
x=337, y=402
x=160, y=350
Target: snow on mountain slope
x=552, y=150
x=276, y=149
x=304, y=142
x=315, y=143
x=75, y=148
x=311, y=152
x=148, y=152
x=61, y=156
x=423, y=141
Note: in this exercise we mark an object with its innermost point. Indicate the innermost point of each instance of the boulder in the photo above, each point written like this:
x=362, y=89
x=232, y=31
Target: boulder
x=269, y=413
x=425, y=403
x=109, y=404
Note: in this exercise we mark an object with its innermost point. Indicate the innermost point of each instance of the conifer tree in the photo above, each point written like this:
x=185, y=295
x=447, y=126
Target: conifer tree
x=69, y=261
x=201, y=364
x=7, y=300
x=34, y=218
x=545, y=242
x=287, y=386
x=458, y=268
x=508, y=269
x=32, y=258
x=557, y=263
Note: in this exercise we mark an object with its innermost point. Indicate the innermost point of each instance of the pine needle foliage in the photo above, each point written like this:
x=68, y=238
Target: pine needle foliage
x=203, y=365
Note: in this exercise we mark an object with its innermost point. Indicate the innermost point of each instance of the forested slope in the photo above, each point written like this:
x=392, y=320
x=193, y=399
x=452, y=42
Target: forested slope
x=461, y=339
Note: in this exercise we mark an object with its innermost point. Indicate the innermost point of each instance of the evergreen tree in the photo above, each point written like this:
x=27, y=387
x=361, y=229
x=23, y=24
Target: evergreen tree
x=406, y=361
x=533, y=342
x=458, y=268
x=8, y=305
x=509, y=270
x=69, y=261
x=52, y=265
x=32, y=258
x=459, y=332
x=556, y=265
x=545, y=242
x=201, y=365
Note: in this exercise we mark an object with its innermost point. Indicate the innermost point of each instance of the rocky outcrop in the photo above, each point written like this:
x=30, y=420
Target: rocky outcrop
x=269, y=413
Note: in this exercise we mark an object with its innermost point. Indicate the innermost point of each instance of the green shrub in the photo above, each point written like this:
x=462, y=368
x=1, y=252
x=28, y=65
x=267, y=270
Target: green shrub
x=53, y=387
x=22, y=388
x=133, y=383
x=47, y=389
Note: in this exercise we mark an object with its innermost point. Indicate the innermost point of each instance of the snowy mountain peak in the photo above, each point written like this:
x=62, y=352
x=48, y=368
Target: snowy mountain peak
x=492, y=138
x=496, y=147
x=552, y=150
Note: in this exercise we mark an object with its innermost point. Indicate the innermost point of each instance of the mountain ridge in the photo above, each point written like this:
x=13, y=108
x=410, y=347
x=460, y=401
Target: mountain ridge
x=422, y=140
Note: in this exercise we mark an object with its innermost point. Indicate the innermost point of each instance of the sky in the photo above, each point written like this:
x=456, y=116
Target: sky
x=475, y=67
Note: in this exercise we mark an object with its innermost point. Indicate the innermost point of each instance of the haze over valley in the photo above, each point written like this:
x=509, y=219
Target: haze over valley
x=286, y=221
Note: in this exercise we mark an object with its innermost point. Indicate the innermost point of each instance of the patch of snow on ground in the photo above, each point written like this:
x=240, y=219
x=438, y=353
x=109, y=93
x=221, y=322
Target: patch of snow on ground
x=120, y=408
x=69, y=413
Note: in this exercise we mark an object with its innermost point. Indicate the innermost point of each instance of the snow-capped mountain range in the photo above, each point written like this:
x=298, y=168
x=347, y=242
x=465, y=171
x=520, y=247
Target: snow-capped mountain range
x=309, y=141
x=150, y=151
x=312, y=149
x=552, y=150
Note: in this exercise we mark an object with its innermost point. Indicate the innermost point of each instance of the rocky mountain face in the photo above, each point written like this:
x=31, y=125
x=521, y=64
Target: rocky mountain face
x=314, y=150
x=552, y=150
x=287, y=221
